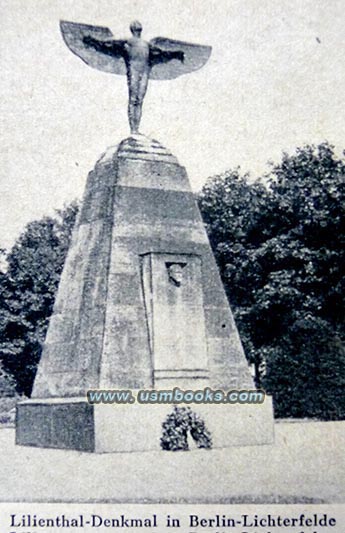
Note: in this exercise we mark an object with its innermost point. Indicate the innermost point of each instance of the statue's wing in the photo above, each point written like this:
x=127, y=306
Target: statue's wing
x=74, y=34
x=195, y=57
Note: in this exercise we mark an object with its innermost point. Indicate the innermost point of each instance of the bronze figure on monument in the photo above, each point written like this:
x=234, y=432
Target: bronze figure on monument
x=159, y=59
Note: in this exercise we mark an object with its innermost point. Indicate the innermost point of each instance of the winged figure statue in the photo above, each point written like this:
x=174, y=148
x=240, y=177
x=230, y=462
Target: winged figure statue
x=139, y=60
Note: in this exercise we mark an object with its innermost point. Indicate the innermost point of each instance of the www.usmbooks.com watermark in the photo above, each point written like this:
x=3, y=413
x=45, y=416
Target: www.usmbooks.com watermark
x=175, y=396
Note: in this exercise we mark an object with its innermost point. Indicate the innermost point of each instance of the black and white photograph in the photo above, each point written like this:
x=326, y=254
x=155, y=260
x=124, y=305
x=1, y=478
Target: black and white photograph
x=172, y=251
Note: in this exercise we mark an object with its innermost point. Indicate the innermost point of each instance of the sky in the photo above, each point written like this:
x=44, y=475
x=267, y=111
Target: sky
x=275, y=81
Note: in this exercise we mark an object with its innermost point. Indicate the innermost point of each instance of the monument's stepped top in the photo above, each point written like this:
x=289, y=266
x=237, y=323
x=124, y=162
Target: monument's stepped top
x=139, y=146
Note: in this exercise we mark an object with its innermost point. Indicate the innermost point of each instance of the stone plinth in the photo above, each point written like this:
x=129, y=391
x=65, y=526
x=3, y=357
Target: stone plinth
x=140, y=302
x=76, y=424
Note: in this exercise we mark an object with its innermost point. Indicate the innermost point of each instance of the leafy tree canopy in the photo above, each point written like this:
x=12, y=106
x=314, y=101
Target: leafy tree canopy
x=281, y=251
x=27, y=292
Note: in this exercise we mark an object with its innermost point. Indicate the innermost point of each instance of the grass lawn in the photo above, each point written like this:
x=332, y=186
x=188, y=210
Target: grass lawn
x=305, y=465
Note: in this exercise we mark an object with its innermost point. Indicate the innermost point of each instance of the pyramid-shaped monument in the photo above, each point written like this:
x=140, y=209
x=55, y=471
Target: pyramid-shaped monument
x=140, y=304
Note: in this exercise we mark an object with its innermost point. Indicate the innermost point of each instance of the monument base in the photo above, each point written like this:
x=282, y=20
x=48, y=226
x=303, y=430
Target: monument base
x=73, y=423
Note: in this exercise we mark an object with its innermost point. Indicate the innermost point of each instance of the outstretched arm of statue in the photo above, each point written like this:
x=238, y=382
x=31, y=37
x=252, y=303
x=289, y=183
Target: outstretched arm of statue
x=110, y=48
x=157, y=55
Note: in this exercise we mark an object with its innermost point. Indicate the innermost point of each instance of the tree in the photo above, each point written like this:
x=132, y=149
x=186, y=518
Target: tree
x=283, y=268
x=27, y=293
x=306, y=371
x=233, y=211
x=7, y=384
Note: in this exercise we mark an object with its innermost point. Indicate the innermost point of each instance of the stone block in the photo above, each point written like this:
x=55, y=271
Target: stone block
x=144, y=174
x=155, y=205
x=54, y=423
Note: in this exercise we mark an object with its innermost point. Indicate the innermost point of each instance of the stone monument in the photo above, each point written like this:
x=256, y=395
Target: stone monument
x=140, y=303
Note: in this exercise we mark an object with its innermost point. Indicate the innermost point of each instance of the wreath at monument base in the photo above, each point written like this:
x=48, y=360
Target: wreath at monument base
x=176, y=427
